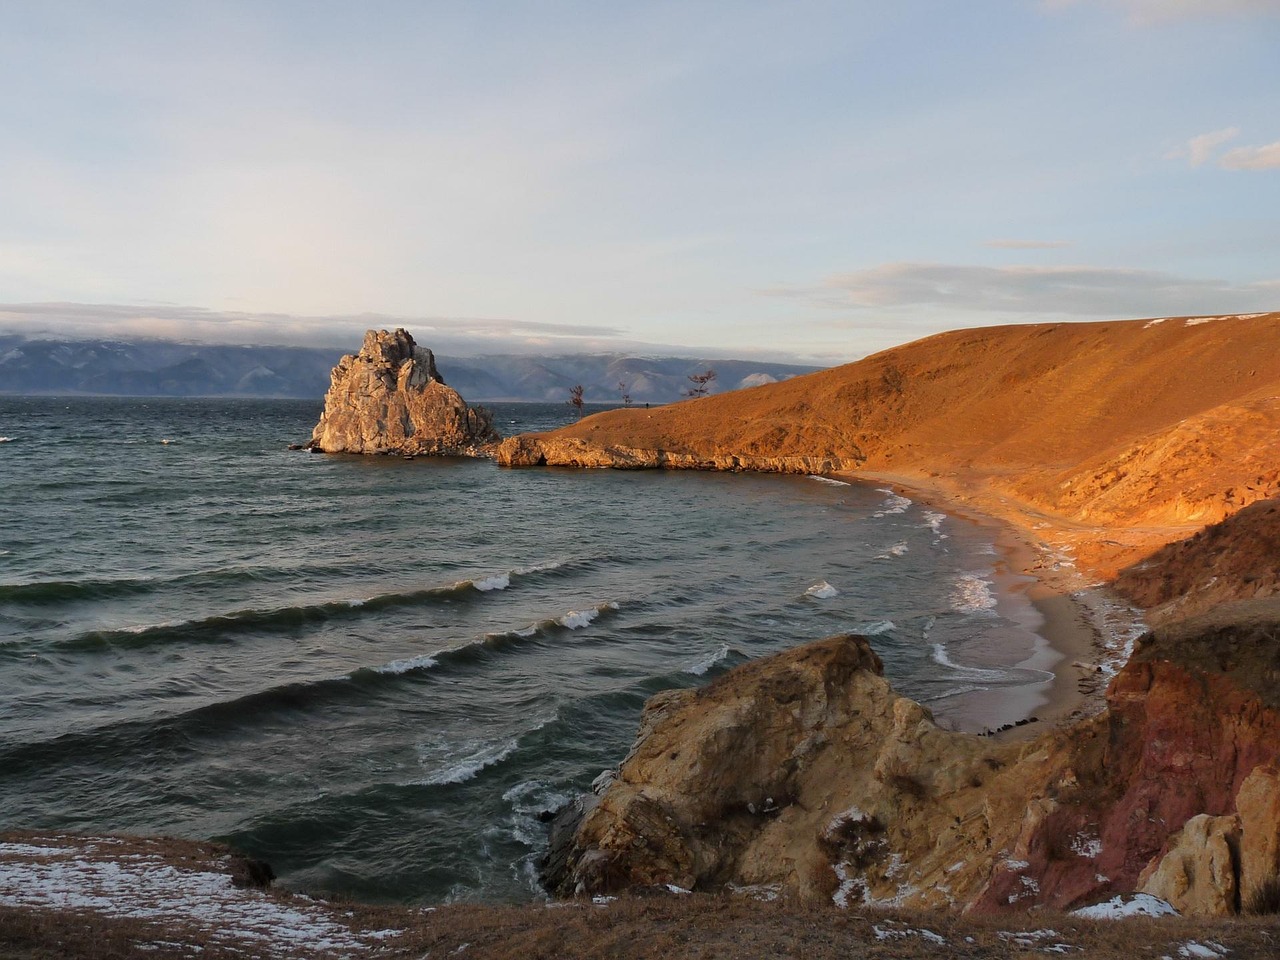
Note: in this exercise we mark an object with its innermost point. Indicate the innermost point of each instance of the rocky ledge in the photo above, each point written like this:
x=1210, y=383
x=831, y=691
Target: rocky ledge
x=533, y=450
x=389, y=398
x=804, y=773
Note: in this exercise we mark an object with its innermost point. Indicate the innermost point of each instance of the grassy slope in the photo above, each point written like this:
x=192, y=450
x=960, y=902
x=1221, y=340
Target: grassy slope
x=1040, y=411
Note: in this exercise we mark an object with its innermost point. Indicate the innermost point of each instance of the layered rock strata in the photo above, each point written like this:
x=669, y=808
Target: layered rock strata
x=805, y=773
x=389, y=398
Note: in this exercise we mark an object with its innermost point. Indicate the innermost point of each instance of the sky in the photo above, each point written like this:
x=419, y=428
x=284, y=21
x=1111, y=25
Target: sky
x=802, y=180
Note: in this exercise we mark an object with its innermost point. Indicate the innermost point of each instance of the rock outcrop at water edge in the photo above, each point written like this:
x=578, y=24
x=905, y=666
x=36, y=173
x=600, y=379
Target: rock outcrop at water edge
x=389, y=398
x=530, y=450
x=805, y=773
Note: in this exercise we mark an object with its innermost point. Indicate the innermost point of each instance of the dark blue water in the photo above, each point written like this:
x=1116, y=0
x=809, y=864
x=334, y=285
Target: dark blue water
x=377, y=673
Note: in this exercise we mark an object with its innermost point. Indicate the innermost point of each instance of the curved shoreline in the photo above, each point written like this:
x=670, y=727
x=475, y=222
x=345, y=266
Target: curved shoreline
x=1072, y=640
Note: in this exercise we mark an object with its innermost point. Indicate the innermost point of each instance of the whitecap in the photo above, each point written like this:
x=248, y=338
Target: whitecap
x=499, y=581
x=7, y=439
x=934, y=521
x=971, y=593
x=830, y=480
x=467, y=767
x=877, y=627
x=822, y=591
x=576, y=619
x=709, y=661
x=420, y=662
x=894, y=504
x=899, y=549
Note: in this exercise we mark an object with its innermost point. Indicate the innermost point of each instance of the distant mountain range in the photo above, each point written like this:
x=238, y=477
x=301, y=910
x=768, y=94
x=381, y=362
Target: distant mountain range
x=160, y=368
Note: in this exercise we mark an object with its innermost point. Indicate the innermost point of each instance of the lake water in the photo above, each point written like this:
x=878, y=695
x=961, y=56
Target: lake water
x=376, y=673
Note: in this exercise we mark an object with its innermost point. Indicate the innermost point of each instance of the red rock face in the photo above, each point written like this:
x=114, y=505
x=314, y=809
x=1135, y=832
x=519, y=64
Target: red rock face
x=1177, y=741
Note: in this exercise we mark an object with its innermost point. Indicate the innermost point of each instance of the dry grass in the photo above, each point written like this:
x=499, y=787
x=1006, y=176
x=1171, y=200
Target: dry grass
x=665, y=928
x=1264, y=900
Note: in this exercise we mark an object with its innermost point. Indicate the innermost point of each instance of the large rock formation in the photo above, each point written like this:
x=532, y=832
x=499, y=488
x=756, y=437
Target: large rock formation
x=389, y=398
x=806, y=773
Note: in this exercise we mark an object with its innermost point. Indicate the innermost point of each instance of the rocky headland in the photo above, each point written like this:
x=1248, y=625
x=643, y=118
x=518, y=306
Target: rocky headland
x=390, y=399
x=1108, y=448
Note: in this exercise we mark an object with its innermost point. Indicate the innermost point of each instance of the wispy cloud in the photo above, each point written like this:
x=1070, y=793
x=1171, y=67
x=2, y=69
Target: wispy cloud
x=1252, y=158
x=1067, y=291
x=1198, y=150
x=1148, y=12
x=1201, y=149
x=1027, y=244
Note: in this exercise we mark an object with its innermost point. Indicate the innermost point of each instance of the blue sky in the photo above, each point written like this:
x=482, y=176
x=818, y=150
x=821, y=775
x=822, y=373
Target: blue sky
x=812, y=179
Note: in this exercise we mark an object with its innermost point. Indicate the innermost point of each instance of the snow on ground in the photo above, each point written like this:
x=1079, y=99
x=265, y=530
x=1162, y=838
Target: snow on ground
x=1127, y=905
x=144, y=886
x=892, y=930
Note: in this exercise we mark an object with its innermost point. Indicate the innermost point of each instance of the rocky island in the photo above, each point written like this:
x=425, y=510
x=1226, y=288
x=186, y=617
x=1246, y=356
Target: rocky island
x=390, y=399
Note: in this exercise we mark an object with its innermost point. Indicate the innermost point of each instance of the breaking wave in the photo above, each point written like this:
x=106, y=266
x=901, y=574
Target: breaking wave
x=709, y=661
x=971, y=593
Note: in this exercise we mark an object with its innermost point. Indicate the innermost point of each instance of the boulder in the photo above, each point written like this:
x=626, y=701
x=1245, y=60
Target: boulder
x=389, y=398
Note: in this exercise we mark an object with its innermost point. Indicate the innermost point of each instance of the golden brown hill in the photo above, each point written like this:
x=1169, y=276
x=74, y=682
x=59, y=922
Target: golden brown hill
x=1164, y=423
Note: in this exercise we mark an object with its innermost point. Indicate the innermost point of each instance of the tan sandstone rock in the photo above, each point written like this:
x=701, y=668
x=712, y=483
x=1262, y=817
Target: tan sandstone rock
x=390, y=398
x=1199, y=875
x=804, y=772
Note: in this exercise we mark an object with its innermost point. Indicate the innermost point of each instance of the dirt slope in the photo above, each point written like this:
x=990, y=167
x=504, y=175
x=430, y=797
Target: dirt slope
x=1236, y=559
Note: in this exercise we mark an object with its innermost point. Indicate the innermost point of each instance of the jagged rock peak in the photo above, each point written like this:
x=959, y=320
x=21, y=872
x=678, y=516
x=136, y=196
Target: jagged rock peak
x=390, y=398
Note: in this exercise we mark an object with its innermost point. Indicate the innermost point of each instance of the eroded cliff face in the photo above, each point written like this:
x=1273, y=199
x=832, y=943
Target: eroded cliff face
x=804, y=772
x=390, y=398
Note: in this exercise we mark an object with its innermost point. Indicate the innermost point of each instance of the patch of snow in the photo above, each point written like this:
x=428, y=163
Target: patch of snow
x=1086, y=846
x=1202, y=951
x=898, y=931
x=59, y=878
x=1016, y=864
x=673, y=888
x=1151, y=323
x=1137, y=905
x=1196, y=321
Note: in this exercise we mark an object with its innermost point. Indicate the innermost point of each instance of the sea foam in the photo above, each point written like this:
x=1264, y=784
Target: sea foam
x=467, y=767
x=822, y=591
x=709, y=661
x=899, y=549
x=971, y=593
x=499, y=581
x=830, y=480
x=893, y=504
x=420, y=662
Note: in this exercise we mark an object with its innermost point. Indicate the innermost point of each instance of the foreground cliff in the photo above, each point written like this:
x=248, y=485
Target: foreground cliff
x=805, y=773
x=390, y=398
